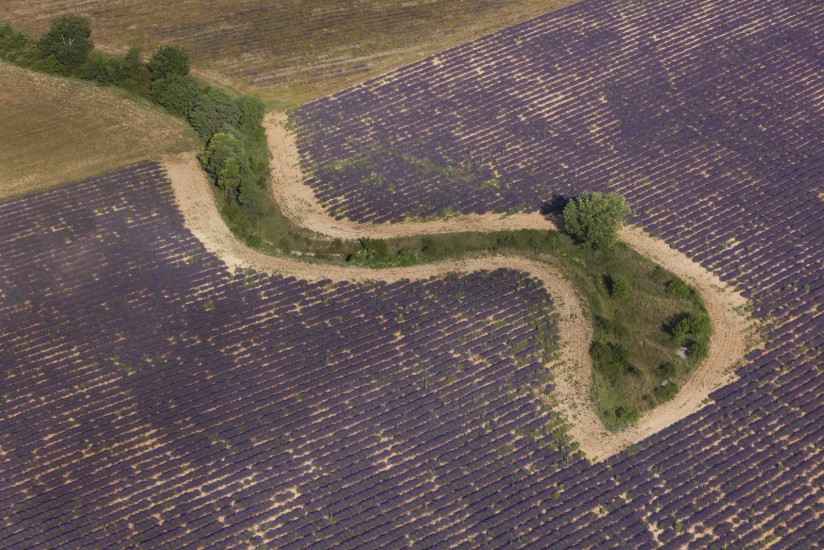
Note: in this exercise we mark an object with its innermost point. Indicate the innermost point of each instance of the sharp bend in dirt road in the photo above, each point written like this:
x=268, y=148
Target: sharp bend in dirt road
x=572, y=370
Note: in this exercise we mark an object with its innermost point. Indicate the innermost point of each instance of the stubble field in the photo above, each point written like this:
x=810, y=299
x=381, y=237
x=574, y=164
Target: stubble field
x=55, y=130
x=289, y=51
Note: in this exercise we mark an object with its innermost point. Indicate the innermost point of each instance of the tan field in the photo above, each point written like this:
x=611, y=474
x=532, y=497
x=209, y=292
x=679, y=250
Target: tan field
x=287, y=51
x=56, y=130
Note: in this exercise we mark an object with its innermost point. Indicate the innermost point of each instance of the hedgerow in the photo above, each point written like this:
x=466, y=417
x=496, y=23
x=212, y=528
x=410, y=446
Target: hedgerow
x=213, y=113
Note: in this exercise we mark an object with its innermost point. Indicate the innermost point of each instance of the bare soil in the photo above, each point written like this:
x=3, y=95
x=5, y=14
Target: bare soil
x=572, y=370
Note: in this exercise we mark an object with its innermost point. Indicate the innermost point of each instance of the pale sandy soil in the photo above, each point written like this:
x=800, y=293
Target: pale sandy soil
x=572, y=370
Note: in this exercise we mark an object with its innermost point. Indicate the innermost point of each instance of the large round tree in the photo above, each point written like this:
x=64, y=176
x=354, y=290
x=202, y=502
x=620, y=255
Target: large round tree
x=595, y=218
x=67, y=43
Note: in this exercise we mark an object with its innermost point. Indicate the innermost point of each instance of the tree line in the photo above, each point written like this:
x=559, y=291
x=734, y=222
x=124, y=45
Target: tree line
x=235, y=154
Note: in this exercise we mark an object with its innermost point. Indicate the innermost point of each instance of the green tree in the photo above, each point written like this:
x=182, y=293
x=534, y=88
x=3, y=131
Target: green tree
x=67, y=44
x=595, y=218
x=222, y=146
x=252, y=199
x=251, y=110
x=213, y=110
x=168, y=61
x=229, y=178
x=137, y=76
x=177, y=94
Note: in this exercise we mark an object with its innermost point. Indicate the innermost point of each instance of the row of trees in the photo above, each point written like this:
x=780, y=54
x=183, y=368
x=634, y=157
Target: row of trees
x=236, y=155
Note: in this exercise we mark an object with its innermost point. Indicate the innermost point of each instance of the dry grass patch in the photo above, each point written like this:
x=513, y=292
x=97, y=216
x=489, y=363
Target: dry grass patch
x=287, y=51
x=56, y=130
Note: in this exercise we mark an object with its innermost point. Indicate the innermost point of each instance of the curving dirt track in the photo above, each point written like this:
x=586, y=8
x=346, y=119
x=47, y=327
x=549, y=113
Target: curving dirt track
x=572, y=370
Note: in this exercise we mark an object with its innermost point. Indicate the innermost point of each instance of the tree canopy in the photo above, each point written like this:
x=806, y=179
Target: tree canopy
x=595, y=218
x=67, y=44
x=213, y=110
x=168, y=61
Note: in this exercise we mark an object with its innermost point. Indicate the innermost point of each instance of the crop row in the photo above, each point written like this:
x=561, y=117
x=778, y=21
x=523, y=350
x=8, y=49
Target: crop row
x=267, y=409
x=706, y=118
x=572, y=101
x=151, y=397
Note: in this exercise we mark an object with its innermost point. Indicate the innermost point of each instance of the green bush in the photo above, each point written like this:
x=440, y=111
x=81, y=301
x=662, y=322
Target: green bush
x=618, y=287
x=620, y=417
x=666, y=371
x=689, y=324
x=611, y=360
x=410, y=256
x=678, y=288
x=665, y=391
x=14, y=45
x=612, y=327
x=373, y=249
x=104, y=69
x=697, y=349
x=594, y=219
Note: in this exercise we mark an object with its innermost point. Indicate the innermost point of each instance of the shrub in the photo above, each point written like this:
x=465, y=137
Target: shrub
x=13, y=44
x=373, y=249
x=620, y=417
x=611, y=327
x=666, y=371
x=618, y=287
x=168, y=61
x=410, y=256
x=611, y=360
x=698, y=349
x=690, y=324
x=595, y=218
x=666, y=391
x=678, y=288
x=104, y=70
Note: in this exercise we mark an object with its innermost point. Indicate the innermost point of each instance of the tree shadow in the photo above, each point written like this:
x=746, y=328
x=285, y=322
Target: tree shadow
x=553, y=209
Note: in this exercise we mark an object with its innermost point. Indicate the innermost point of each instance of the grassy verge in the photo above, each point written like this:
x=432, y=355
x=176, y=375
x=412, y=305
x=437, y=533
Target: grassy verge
x=651, y=328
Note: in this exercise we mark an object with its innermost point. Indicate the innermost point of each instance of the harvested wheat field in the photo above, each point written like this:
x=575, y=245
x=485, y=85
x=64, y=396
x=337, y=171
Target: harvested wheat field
x=56, y=130
x=288, y=51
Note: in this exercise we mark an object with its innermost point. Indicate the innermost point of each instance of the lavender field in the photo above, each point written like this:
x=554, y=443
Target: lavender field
x=150, y=397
